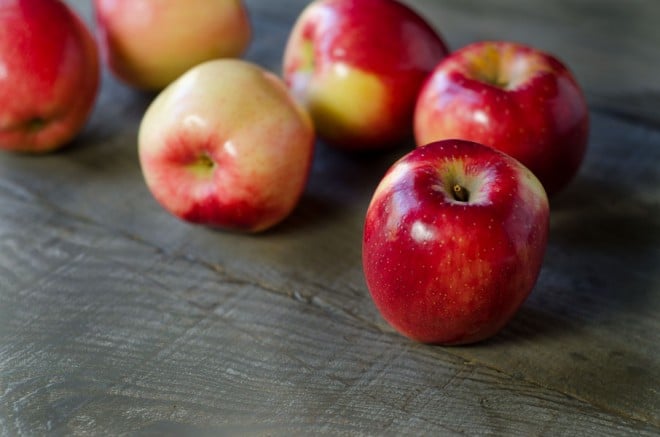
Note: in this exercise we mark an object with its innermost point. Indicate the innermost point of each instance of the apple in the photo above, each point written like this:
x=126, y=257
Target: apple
x=358, y=65
x=49, y=75
x=226, y=145
x=514, y=98
x=454, y=239
x=149, y=43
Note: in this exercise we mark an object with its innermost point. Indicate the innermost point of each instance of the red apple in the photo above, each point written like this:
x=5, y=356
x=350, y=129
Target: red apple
x=49, y=75
x=149, y=43
x=454, y=239
x=226, y=145
x=358, y=65
x=514, y=98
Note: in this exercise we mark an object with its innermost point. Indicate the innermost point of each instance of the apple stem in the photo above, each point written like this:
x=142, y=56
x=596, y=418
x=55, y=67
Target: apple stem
x=460, y=193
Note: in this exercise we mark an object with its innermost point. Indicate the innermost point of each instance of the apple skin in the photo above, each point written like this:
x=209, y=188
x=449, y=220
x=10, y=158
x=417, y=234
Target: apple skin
x=49, y=75
x=358, y=65
x=514, y=98
x=449, y=271
x=227, y=146
x=149, y=43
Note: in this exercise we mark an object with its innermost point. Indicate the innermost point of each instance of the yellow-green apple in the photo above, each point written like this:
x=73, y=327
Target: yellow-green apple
x=515, y=98
x=454, y=240
x=49, y=75
x=149, y=43
x=226, y=145
x=358, y=65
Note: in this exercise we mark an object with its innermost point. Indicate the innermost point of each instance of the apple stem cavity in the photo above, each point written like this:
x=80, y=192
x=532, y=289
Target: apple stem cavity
x=203, y=165
x=492, y=77
x=35, y=124
x=460, y=193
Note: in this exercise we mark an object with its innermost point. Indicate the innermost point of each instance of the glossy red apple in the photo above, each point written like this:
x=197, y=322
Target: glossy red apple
x=515, y=98
x=454, y=239
x=149, y=43
x=49, y=75
x=358, y=65
x=225, y=145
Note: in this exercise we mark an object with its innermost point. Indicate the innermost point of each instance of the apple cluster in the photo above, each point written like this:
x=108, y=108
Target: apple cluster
x=455, y=233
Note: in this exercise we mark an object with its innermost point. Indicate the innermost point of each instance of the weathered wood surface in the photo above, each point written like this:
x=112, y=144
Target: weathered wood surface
x=117, y=318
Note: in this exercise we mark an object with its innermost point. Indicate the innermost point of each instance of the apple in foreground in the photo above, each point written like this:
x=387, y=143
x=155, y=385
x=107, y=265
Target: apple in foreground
x=49, y=75
x=149, y=43
x=454, y=240
x=227, y=146
x=358, y=65
x=514, y=98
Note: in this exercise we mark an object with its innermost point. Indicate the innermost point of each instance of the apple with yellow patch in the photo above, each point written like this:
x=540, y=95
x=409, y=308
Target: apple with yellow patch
x=454, y=239
x=358, y=65
x=226, y=145
x=149, y=43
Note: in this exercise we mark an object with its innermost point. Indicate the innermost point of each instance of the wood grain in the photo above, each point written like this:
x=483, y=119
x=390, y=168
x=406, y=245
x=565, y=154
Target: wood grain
x=116, y=318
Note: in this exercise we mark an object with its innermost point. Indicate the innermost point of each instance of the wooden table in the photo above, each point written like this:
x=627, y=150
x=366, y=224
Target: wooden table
x=118, y=318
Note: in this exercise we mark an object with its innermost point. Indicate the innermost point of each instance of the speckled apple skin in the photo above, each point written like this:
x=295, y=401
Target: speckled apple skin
x=449, y=272
x=240, y=118
x=542, y=120
x=358, y=66
x=149, y=43
x=49, y=75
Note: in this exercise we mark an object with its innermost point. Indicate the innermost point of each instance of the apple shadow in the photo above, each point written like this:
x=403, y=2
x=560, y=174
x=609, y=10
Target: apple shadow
x=340, y=185
x=587, y=328
x=117, y=113
x=601, y=264
x=312, y=211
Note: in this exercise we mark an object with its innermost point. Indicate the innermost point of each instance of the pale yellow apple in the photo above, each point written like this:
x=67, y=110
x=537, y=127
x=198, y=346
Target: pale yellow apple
x=226, y=145
x=149, y=43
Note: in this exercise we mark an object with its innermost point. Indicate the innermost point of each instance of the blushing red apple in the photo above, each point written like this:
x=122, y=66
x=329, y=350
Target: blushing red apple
x=225, y=145
x=358, y=65
x=454, y=240
x=49, y=75
x=149, y=43
x=513, y=97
